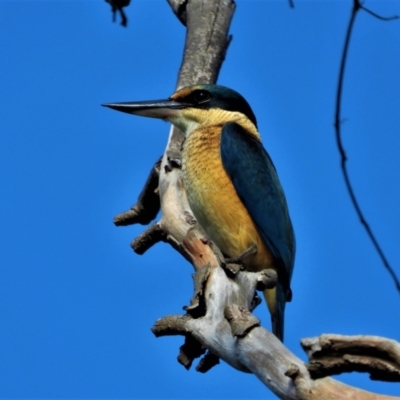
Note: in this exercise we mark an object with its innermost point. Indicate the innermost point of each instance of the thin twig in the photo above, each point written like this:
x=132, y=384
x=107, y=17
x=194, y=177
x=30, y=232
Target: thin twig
x=356, y=7
x=379, y=16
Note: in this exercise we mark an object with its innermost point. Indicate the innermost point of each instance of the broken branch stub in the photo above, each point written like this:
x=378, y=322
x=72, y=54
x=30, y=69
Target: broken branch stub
x=148, y=203
x=336, y=354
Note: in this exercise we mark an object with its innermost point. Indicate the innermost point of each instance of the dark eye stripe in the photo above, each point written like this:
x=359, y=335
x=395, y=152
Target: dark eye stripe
x=200, y=96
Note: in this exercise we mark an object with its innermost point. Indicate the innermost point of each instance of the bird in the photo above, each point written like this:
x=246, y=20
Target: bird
x=231, y=182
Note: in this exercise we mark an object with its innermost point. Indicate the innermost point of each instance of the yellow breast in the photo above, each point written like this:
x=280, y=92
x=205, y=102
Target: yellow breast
x=214, y=200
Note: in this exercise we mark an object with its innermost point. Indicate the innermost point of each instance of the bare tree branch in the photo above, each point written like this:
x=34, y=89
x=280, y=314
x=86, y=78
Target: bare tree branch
x=206, y=44
x=236, y=336
x=335, y=354
x=338, y=121
x=148, y=204
x=149, y=238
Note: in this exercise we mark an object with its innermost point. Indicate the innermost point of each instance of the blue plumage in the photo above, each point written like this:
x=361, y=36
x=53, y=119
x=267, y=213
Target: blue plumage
x=257, y=184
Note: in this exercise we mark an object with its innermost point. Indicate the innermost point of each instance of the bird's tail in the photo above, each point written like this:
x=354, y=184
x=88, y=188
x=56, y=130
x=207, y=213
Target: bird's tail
x=276, y=301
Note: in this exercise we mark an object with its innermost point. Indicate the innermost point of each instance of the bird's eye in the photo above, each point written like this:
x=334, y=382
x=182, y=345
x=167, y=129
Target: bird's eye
x=201, y=96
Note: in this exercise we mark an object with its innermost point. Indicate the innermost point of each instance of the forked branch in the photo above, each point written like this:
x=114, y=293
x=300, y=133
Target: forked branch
x=338, y=123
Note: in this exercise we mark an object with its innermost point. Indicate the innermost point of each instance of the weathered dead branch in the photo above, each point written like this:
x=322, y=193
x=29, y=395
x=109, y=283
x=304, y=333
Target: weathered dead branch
x=226, y=328
x=335, y=354
x=148, y=204
x=149, y=238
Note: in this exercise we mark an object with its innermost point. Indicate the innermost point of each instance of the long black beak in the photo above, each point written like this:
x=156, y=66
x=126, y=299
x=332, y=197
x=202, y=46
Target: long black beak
x=163, y=109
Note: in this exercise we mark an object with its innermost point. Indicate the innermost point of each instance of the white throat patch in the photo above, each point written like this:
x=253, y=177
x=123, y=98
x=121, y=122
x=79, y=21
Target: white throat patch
x=184, y=124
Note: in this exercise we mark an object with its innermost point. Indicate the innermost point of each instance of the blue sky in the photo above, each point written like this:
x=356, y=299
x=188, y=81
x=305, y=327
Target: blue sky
x=76, y=304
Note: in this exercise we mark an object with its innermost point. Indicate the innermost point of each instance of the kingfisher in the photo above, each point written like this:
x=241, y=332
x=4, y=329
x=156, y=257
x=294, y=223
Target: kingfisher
x=231, y=182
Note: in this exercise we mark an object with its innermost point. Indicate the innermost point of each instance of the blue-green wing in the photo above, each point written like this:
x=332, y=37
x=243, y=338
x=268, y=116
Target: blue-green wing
x=257, y=184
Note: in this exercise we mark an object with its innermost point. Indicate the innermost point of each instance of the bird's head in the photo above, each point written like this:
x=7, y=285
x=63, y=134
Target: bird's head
x=193, y=106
